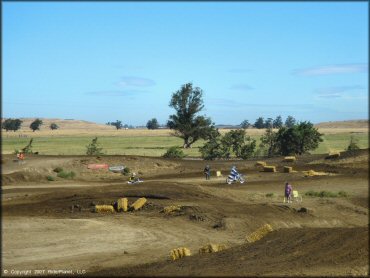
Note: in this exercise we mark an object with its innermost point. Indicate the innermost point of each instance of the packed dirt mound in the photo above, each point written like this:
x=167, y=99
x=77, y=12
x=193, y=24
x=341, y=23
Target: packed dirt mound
x=314, y=251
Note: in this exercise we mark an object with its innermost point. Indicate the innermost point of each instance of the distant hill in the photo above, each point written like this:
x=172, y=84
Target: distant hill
x=65, y=124
x=344, y=124
x=71, y=124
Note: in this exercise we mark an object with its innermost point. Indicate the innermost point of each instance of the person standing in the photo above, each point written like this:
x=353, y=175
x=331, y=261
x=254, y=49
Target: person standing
x=207, y=172
x=288, y=192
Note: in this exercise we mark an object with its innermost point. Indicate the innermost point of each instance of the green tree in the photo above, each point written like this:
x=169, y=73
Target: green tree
x=259, y=123
x=152, y=124
x=35, y=125
x=278, y=122
x=174, y=152
x=290, y=122
x=353, y=144
x=186, y=124
x=269, y=142
x=269, y=123
x=117, y=124
x=298, y=139
x=234, y=142
x=54, y=126
x=245, y=124
x=94, y=148
x=11, y=124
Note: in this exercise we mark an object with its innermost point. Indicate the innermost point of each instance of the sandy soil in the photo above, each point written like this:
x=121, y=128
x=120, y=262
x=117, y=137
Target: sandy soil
x=319, y=236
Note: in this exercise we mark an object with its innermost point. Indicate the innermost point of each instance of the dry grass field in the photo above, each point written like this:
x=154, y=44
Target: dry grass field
x=73, y=137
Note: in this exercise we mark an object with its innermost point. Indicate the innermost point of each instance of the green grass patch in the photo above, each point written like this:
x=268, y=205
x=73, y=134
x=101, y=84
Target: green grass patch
x=150, y=145
x=270, y=195
x=66, y=175
x=326, y=194
x=50, y=178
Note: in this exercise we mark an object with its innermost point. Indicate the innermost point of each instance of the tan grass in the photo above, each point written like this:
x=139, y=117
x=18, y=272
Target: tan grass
x=259, y=233
x=333, y=155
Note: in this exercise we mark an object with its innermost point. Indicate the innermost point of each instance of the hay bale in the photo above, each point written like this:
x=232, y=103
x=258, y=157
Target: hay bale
x=333, y=155
x=259, y=233
x=312, y=173
x=288, y=169
x=212, y=248
x=104, y=208
x=139, y=203
x=218, y=174
x=122, y=204
x=178, y=253
x=260, y=163
x=290, y=158
x=269, y=169
x=170, y=209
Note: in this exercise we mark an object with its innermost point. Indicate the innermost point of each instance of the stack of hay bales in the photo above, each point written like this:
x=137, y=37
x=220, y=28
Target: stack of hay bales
x=289, y=158
x=178, y=253
x=218, y=174
x=104, y=208
x=212, y=248
x=269, y=169
x=288, y=169
x=138, y=204
x=122, y=204
x=260, y=163
x=333, y=155
x=171, y=209
x=259, y=233
x=312, y=173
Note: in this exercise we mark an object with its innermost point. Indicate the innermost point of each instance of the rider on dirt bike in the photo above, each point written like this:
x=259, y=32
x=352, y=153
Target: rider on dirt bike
x=234, y=176
x=133, y=178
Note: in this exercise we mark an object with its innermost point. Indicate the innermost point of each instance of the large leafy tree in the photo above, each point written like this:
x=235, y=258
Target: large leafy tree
x=35, y=125
x=298, y=139
x=11, y=124
x=117, y=124
x=234, y=142
x=268, y=141
x=186, y=123
x=245, y=124
x=290, y=122
x=152, y=124
x=278, y=122
x=259, y=123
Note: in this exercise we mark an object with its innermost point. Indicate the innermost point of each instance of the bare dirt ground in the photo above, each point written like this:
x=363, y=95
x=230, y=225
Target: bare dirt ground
x=319, y=236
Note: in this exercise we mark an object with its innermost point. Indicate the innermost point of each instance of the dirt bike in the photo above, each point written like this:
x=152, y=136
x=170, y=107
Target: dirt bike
x=238, y=178
x=135, y=181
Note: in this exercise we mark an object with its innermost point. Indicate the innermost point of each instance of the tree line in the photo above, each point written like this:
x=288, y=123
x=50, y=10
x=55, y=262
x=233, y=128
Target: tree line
x=16, y=124
x=270, y=122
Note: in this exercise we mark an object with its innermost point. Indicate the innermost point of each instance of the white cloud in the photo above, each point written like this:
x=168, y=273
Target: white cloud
x=349, y=92
x=332, y=69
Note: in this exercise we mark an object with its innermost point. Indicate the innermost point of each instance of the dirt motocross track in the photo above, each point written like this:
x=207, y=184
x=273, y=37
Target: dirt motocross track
x=318, y=236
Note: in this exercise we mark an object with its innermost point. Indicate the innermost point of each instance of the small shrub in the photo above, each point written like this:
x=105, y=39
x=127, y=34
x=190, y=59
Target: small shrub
x=174, y=152
x=342, y=194
x=126, y=171
x=50, y=178
x=326, y=194
x=353, y=145
x=58, y=170
x=270, y=195
x=93, y=148
x=66, y=175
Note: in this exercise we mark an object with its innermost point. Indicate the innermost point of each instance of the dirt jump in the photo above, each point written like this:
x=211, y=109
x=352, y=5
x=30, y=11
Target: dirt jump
x=49, y=221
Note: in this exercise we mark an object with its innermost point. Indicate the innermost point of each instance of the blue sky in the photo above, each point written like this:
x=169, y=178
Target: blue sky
x=101, y=62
